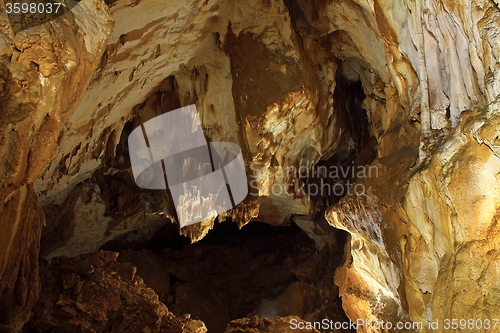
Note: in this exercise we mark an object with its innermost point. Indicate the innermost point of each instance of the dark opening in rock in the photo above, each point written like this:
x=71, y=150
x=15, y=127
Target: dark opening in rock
x=333, y=176
x=259, y=270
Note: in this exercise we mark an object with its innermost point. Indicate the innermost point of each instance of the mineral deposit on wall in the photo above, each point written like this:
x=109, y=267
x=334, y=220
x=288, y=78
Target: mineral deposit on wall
x=274, y=77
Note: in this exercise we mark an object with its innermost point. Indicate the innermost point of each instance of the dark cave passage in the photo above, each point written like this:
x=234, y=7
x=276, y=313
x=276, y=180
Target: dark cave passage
x=333, y=177
x=230, y=274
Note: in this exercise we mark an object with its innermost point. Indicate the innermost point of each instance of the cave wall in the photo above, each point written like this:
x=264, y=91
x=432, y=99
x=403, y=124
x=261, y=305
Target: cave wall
x=44, y=74
x=425, y=249
x=208, y=50
x=422, y=241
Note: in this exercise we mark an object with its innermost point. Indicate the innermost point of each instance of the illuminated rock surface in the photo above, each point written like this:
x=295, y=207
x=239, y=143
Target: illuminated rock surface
x=411, y=88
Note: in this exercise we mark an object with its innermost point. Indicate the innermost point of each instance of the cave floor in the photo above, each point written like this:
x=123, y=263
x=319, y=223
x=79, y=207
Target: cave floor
x=260, y=271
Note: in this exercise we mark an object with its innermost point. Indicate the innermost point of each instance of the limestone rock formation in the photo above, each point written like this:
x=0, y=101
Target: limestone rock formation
x=278, y=325
x=95, y=293
x=409, y=88
x=44, y=73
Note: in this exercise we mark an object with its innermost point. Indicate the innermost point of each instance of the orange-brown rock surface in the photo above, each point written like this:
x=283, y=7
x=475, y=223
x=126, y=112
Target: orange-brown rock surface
x=44, y=72
x=278, y=325
x=95, y=293
x=408, y=87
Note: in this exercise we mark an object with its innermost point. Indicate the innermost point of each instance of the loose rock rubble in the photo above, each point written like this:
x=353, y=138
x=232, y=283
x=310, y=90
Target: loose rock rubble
x=94, y=293
x=258, y=325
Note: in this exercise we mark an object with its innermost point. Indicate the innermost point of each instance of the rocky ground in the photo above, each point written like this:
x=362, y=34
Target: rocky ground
x=257, y=325
x=233, y=275
x=95, y=293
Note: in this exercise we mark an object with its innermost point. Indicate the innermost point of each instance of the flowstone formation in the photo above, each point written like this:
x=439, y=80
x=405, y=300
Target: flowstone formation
x=410, y=88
